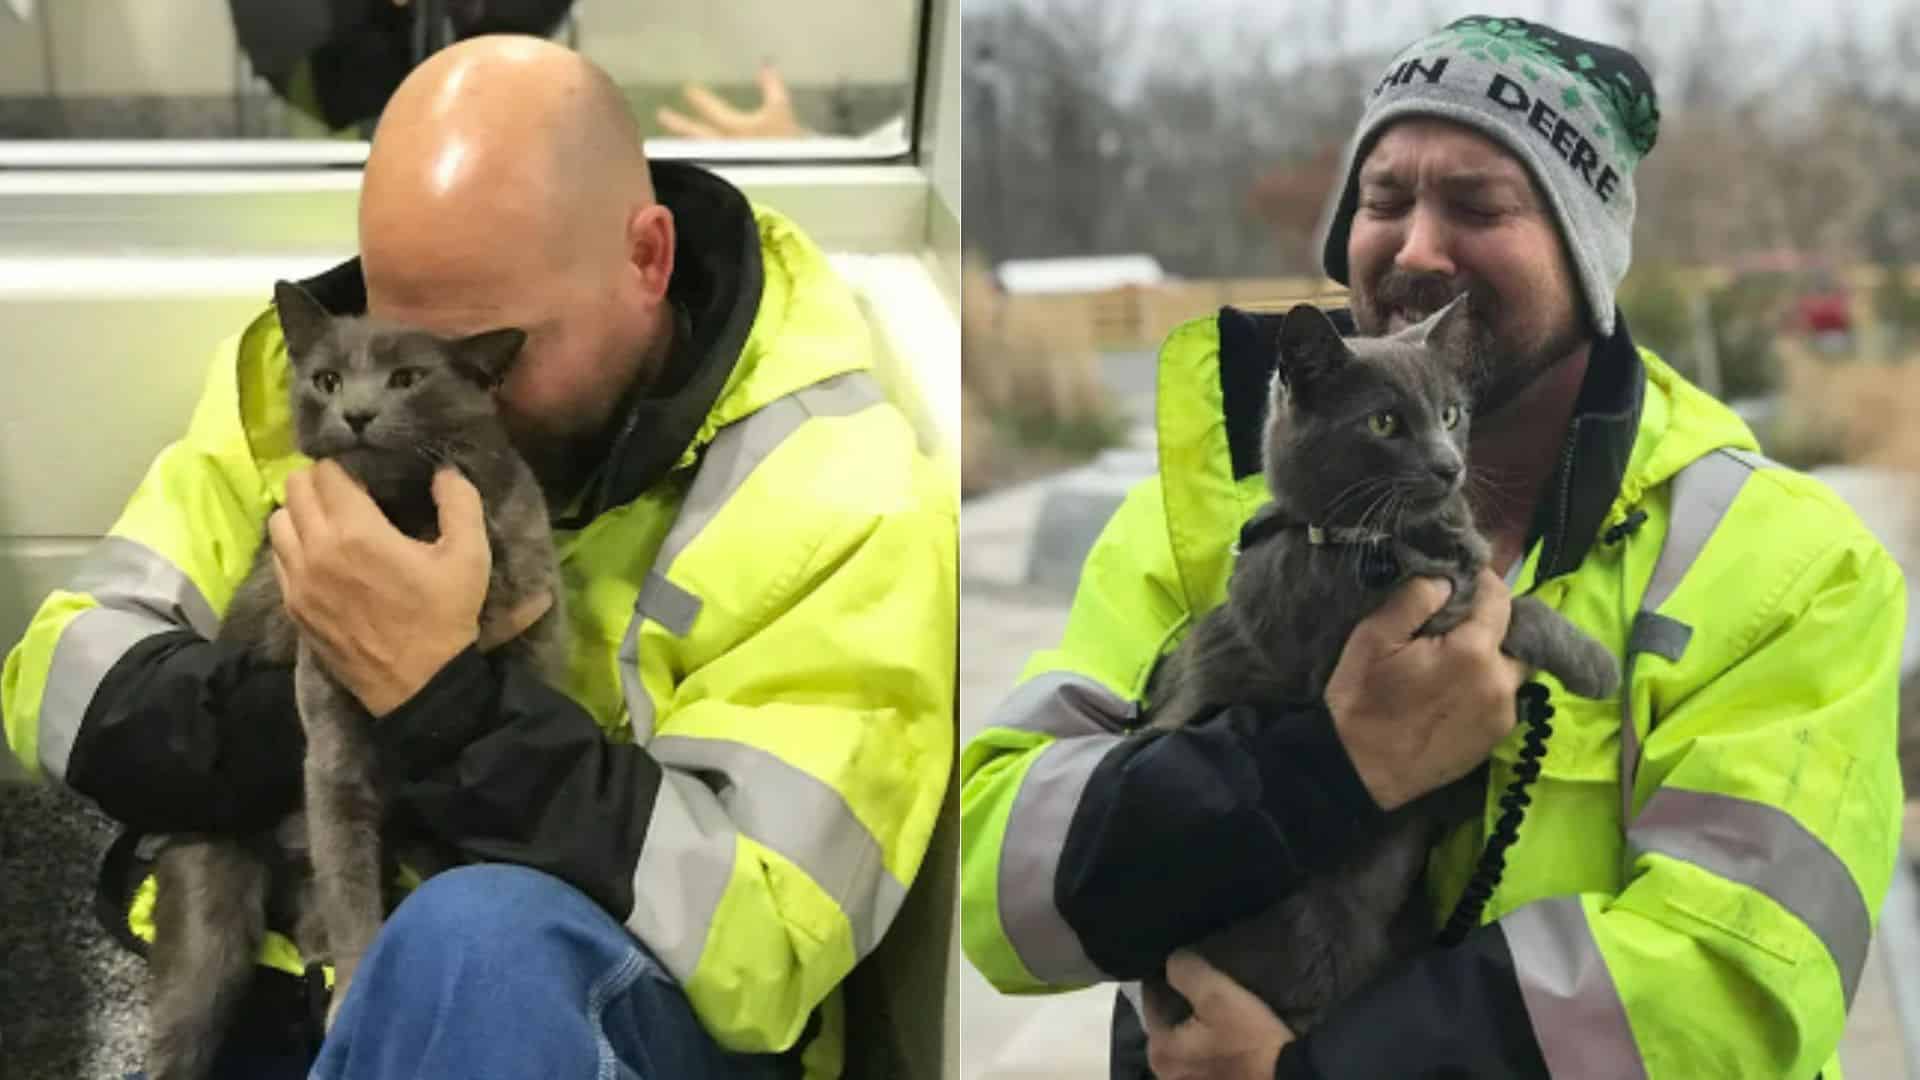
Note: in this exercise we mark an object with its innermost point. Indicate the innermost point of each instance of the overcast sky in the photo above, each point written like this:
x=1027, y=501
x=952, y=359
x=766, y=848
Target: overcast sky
x=1764, y=36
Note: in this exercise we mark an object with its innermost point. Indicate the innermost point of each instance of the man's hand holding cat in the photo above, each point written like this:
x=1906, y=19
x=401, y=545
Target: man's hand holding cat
x=384, y=612
x=1416, y=713
x=1231, y=1034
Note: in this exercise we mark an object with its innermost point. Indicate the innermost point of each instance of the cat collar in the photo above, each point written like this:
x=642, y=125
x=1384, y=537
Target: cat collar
x=1377, y=566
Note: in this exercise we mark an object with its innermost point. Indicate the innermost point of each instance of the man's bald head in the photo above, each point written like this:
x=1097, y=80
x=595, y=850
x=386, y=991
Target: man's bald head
x=507, y=185
x=499, y=146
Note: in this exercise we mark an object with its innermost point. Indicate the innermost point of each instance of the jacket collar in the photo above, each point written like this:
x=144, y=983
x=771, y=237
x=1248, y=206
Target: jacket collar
x=1593, y=457
x=717, y=282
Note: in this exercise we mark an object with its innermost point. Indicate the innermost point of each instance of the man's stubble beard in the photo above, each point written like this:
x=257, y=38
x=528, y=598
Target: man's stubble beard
x=1496, y=372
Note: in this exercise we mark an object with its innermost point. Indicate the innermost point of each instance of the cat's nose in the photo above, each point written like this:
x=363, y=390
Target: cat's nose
x=358, y=421
x=1447, y=472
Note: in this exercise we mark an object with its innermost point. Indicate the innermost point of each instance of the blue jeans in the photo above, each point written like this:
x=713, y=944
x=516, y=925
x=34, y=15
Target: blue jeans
x=500, y=971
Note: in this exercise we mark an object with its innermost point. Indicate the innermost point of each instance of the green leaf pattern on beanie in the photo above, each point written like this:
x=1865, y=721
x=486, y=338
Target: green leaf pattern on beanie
x=1629, y=116
x=1499, y=40
x=1636, y=111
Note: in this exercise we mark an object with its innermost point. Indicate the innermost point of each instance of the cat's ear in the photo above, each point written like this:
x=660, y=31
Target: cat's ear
x=303, y=322
x=1310, y=349
x=487, y=357
x=1449, y=330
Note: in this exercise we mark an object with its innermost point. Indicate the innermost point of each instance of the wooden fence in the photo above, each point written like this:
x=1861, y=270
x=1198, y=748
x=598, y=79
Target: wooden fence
x=1140, y=317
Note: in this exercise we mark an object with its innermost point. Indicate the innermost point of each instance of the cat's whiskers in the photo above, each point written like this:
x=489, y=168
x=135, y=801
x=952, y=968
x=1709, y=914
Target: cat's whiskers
x=1381, y=510
x=1397, y=522
x=1482, y=491
x=1366, y=485
x=1495, y=481
x=1376, y=505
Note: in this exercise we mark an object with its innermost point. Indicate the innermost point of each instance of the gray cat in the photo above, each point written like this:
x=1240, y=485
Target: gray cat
x=390, y=404
x=1366, y=440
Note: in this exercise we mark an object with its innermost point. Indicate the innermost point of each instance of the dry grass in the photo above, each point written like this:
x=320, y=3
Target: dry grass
x=1030, y=376
x=1031, y=396
x=1863, y=413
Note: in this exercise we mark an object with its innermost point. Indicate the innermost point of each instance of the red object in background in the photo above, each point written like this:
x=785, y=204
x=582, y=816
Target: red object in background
x=1824, y=313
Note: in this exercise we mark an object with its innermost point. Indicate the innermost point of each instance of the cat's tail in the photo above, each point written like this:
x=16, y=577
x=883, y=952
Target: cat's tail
x=1545, y=639
x=209, y=916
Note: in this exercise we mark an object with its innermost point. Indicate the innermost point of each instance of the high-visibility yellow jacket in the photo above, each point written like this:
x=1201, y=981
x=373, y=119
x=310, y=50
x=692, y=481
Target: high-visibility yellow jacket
x=751, y=747
x=1708, y=916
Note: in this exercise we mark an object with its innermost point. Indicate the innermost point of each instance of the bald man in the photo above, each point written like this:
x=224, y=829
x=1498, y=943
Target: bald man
x=687, y=846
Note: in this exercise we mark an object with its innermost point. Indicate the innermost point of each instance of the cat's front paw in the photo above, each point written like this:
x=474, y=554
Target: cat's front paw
x=1590, y=670
x=1547, y=640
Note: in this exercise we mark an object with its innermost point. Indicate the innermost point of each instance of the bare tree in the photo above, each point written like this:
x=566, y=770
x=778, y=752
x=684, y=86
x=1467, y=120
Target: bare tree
x=1092, y=128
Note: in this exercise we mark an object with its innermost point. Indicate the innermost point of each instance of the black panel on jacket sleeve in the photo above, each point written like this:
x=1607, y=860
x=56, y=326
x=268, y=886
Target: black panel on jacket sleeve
x=505, y=768
x=186, y=735
x=1180, y=833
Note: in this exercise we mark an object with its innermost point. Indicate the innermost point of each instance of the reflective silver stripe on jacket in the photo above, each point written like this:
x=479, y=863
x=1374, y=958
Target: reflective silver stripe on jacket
x=735, y=452
x=1577, y=1016
x=1763, y=848
x=714, y=790
x=137, y=593
x=1701, y=494
x=1084, y=717
x=1576, y=1013
x=1064, y=704
x=1030, y=850
x=684, y=869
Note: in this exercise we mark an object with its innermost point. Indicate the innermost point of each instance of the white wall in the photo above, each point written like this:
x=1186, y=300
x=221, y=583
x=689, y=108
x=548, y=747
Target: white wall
x=186, y=47
x=943, y=113
x=812, y=42
x=111, y=47
x=21, y=69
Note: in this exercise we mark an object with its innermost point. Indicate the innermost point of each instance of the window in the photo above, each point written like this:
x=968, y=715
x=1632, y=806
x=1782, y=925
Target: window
x=316, y=72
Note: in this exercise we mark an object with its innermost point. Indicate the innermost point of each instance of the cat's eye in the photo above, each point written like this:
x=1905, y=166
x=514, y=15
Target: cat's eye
x=326, y=381
x=1450, y=416
x=1383, y=423
x=405, y=377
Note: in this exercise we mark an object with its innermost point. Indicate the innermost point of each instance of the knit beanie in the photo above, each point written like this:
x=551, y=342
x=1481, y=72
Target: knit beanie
x=1579, y=115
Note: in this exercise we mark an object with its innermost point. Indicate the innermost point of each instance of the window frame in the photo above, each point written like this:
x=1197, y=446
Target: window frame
x=242, y=153
x=297, y=197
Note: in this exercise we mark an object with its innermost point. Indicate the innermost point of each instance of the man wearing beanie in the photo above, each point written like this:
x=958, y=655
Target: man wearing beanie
x=1693, y=885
